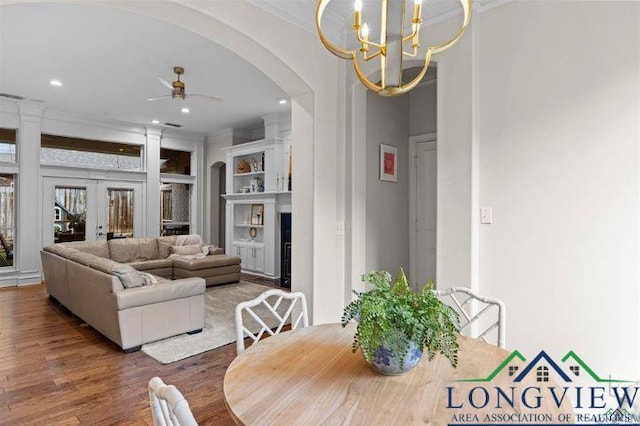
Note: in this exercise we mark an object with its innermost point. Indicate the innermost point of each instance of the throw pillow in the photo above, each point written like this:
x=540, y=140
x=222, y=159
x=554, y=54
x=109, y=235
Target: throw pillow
x=187, y=250
x=207, y=250
x=130, y=279
x=189, y=240
x=149, y=279
x=165, y=244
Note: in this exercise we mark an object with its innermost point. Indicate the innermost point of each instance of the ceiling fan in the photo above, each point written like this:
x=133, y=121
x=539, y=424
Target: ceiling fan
x=178, y=90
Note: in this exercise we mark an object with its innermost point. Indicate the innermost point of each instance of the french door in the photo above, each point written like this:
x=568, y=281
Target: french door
x=91, y=209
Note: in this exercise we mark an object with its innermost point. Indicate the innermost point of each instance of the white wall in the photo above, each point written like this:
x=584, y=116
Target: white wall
x=454, y=124
x=538, y=117
x=387, y=203
x=391, y=121
x=559, y=131
x=423, y=109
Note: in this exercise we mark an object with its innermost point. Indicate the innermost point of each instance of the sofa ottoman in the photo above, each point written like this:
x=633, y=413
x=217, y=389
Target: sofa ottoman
x=218, y=269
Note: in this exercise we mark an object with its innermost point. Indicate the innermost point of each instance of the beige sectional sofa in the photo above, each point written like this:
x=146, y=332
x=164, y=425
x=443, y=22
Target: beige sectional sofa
x=133, y=290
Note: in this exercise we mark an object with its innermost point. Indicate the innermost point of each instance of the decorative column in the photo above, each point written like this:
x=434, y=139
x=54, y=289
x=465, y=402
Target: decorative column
x=28, y=212
x=152, y=164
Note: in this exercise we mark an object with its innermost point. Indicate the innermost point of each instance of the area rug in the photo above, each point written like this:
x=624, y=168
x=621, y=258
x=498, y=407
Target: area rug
x=219, y=323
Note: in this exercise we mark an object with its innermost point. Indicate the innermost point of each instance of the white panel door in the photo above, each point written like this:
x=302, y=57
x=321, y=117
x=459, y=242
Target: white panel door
x=426, y=212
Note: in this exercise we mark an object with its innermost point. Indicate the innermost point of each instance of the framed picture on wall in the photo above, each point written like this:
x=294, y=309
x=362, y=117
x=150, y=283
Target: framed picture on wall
x=388, y=163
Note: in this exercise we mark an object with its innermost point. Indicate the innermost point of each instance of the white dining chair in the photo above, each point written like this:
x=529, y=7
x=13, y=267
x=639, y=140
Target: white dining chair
x=168, y=406
x=271, y=300
x=473, y=317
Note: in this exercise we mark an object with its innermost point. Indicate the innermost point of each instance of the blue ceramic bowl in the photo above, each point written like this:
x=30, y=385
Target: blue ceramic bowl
x=387, y=361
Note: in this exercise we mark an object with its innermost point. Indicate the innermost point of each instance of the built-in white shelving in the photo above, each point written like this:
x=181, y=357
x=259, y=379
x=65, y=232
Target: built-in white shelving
x=257, y=182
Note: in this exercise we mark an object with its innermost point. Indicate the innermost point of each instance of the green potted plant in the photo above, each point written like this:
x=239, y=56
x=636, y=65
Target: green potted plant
x=396, y=324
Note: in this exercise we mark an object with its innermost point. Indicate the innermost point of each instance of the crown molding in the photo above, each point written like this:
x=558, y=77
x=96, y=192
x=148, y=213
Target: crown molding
x=300, y=13
x=490, y=4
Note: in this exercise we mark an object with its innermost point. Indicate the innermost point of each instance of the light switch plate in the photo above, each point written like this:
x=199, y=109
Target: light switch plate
x=340, y=228
x=486, y=215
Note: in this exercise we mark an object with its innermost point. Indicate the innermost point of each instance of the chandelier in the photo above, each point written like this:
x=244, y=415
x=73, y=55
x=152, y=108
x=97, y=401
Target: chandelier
x=390, y=48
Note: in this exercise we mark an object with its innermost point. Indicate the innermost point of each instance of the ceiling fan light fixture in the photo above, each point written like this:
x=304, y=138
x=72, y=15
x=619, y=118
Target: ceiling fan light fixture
x=55, y=82
x=282, y=101
x=155, y=121
x=178, y=91
x=185, y=110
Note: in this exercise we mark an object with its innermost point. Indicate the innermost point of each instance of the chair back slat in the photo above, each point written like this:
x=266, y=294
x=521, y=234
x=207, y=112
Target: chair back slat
x=168, y=405
x=473, y=310
x=270, y=308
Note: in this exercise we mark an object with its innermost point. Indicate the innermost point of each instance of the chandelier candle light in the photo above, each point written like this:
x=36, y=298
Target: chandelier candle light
x=391, y=48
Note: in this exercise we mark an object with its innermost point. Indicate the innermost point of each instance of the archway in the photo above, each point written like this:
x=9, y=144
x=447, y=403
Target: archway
x=309, y=76
x=356, y=203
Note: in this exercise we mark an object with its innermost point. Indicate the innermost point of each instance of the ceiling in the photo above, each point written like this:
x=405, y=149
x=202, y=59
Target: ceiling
x=108, y=61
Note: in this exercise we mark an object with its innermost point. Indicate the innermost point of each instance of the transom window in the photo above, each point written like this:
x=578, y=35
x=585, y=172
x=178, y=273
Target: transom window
x=175, y=162
x=8, y=145
x=76, y=152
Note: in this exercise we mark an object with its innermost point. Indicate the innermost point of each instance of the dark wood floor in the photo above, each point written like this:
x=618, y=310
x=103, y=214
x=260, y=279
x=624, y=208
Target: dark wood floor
x=56, y=370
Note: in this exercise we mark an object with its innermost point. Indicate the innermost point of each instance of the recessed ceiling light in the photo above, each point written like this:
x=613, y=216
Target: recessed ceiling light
x=155, y=121
x=282, y=101
x=56, y=83
x=185, y=110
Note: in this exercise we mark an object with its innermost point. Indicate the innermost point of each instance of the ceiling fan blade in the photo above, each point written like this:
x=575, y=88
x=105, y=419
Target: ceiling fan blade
x=204, y=97
x=157, y=98
x=165, y=82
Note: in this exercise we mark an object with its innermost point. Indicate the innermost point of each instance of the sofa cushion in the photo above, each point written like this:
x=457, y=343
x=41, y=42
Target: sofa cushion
x=187, y=250
x=98, y=248
x=147, y=249
x=152, y=264
x=210, y=272
x=83, y=258
x=126, y=250
x=214, y=261
x=161, y=292
x=60, y=250
x=165, y=244
x=108, y=266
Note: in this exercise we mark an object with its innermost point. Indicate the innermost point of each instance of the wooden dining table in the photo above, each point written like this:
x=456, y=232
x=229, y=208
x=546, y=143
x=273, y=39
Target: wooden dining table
x=310, y=376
